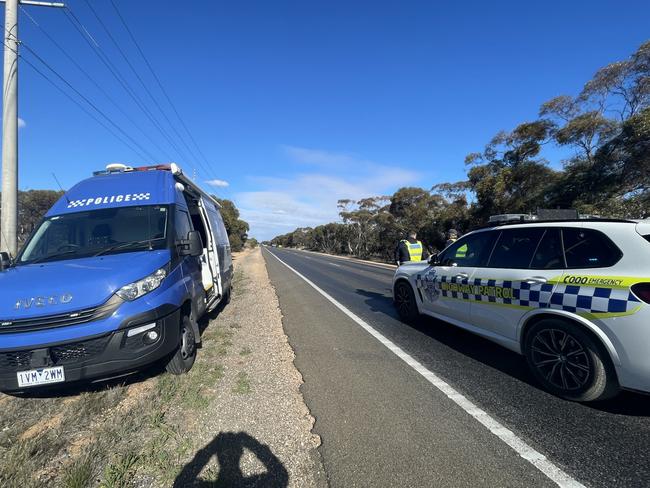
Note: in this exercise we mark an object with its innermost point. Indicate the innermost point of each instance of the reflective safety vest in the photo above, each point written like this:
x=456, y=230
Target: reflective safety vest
x=415, y=250
x=461, y=252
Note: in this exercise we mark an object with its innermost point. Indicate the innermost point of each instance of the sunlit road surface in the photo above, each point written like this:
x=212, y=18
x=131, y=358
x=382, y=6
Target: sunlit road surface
x=384, y=424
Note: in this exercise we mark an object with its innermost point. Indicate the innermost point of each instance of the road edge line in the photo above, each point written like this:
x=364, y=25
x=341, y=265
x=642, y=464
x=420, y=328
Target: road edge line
x=348, y=258
x=534, y=457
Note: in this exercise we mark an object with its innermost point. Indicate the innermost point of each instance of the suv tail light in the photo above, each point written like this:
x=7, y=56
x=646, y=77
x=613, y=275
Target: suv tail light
x=642, y=291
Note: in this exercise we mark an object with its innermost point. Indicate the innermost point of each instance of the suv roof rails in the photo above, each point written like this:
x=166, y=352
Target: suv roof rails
x=548, y=221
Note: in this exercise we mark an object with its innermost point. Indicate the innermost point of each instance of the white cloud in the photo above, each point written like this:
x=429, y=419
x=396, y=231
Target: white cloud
x=21, y=123
x=320, y=157
x=308, y=199
x=218, y=183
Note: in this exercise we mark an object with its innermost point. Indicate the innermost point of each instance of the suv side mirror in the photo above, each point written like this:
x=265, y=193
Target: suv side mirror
x=433, y=259
x=192, y=246
x=5, y=261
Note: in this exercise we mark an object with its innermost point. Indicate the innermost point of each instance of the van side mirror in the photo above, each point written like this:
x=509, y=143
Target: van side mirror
x=192, y=246
x=434, y=260
x=5, y=261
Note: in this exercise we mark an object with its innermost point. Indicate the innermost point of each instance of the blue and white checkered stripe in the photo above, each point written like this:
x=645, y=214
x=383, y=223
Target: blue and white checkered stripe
x=576, y=298
x=571, y=298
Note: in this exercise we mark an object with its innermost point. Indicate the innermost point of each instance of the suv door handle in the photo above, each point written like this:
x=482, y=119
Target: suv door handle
x=535, y=280
x=462, y=275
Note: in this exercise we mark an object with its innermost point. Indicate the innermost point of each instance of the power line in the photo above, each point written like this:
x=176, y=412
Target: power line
x=137, y=75
x=144, y=85
x=160, y=85
x=81, y=95
x=94, y=45
x=88, y=112
x=92, y=80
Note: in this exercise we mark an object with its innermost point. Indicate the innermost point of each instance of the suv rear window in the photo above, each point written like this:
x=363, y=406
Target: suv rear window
x=589, y=248
x=515, y=247
x=548, y=254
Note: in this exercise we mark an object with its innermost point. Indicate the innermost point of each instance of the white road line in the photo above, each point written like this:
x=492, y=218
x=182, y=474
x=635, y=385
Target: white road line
x=364, y=262
x=334, y=264
x=534, y=457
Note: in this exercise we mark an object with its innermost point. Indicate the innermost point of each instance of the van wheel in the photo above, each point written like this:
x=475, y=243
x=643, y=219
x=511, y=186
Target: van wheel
x=568, y=362
x=228, y=295
x=405, y=303
x=184, y=357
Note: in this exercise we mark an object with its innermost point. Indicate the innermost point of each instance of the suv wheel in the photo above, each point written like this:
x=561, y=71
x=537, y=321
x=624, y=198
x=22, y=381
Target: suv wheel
x=405, y=303
x=568, y=362
x=184, y=357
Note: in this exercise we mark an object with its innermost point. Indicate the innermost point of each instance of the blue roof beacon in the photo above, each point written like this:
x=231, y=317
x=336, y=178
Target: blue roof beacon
x=113, y=279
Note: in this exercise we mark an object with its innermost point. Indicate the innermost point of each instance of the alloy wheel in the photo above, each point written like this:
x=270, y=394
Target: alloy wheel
x=561, y=359
x=403, y=299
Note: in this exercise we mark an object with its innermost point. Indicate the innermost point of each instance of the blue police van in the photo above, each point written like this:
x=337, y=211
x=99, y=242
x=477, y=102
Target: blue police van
x=113, y=279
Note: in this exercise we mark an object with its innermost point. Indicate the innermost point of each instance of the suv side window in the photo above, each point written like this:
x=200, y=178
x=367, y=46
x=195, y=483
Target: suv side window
x=515, y=248
x=548, y=254
x=589, y=248
x=473, y=250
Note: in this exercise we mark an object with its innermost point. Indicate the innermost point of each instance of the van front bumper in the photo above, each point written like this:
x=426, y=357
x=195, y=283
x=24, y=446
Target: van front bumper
x=95, y=357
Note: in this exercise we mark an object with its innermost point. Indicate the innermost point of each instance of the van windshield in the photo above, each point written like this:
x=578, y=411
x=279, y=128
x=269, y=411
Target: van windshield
x=95, y=232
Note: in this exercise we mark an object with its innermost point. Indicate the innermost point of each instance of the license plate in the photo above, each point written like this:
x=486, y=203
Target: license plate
x=43, y=376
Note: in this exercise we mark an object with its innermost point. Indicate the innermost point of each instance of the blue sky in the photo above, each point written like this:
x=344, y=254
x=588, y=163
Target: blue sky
x=299, y=103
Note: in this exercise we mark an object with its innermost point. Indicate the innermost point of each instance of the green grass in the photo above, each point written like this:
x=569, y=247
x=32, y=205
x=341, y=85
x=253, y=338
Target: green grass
x=167, y=387
x=120, y=473
x=243, y=384
x=80, y=473
x=194, y=398
x=245, y=351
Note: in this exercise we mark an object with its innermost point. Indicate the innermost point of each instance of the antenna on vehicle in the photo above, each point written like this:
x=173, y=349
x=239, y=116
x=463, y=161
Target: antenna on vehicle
x=61, y=188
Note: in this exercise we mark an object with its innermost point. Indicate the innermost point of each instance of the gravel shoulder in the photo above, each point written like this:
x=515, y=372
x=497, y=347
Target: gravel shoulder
x=237, y=419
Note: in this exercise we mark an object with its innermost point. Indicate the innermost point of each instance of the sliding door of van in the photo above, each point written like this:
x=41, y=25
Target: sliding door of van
x=211, y=245
x=223, y=246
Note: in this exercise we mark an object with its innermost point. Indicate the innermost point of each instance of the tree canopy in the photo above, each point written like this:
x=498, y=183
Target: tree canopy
x=236, y=228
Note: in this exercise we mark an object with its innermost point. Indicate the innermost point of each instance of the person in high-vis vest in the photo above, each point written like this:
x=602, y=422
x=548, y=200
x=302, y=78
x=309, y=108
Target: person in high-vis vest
x=410, y=250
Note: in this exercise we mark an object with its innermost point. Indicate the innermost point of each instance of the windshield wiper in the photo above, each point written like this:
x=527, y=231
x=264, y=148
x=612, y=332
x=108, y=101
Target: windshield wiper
x=127, y=244
x=55, y=255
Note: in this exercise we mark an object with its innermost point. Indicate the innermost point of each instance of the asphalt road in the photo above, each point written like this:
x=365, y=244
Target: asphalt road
x=383, y=425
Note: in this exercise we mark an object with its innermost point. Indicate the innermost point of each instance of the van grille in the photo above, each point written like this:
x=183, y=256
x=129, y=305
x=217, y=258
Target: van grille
x=61, y=320
x=15, y=361
x=76, y=352
x=79, y=351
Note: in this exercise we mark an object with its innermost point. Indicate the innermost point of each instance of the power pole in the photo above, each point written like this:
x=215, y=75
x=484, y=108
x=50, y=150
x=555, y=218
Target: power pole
x=9, y=209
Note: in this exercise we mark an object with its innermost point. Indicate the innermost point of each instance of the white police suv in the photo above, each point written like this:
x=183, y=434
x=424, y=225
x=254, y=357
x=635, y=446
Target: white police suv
x=572, y=296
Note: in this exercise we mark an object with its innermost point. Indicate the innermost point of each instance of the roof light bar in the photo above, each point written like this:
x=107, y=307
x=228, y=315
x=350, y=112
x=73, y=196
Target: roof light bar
x=123, y=168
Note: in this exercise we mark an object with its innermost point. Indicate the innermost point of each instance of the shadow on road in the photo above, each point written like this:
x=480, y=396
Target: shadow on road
x=495, y=356
x=229, y=447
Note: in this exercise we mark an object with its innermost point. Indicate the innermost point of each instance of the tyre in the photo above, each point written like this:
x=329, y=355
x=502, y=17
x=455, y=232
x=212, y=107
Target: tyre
x=405, y=303
x=184, y=357
x=569, y=362
x=228, y=296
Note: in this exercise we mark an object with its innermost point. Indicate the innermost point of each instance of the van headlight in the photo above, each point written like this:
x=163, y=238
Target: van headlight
x=142, y=287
